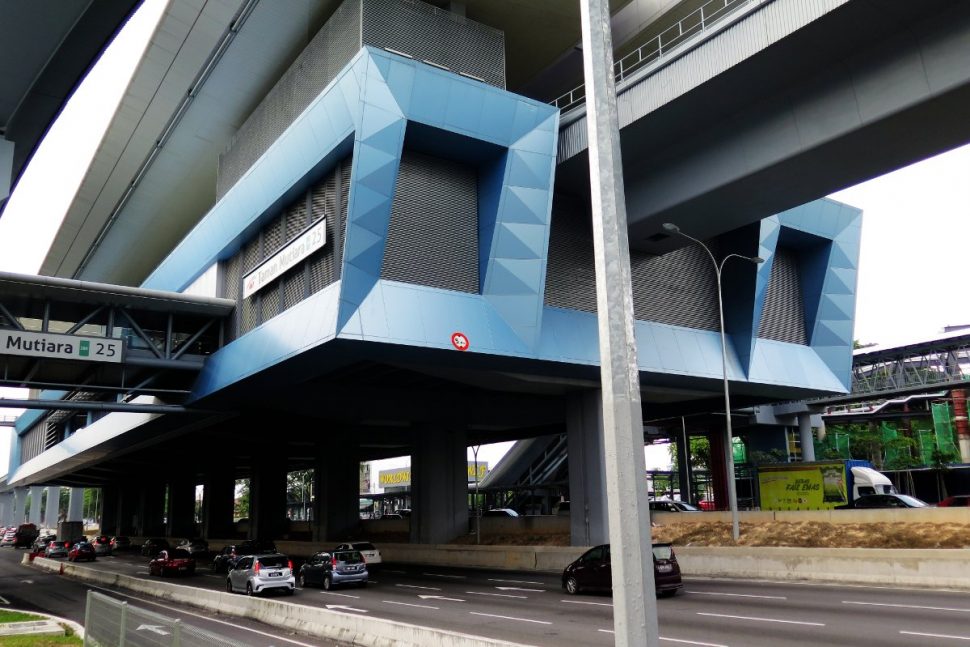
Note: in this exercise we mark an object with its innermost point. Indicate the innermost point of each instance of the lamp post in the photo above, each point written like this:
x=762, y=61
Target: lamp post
x=478, y=513
x=729, y=452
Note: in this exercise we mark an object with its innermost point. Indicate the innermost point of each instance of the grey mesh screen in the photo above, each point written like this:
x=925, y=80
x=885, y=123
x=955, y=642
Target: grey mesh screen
x=428, y=33
x=433, y=236
x=678, y=288
x=783, y=317
x=32, y=443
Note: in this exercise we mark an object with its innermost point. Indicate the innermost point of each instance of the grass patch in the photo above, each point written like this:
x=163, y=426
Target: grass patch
x=17, y=616
x=40, y=641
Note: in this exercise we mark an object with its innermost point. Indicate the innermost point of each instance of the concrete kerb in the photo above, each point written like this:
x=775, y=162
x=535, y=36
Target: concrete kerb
x=326, y=623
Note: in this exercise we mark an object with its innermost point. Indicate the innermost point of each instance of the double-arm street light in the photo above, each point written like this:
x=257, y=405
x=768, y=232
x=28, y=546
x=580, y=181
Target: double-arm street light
x=729, y=451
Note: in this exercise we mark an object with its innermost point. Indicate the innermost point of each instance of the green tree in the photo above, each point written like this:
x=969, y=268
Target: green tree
x=940, y=461
x=241, y=503
x=700, y=453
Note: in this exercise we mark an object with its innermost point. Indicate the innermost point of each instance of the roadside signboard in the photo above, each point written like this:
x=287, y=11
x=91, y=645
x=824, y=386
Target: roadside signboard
x=35, y=344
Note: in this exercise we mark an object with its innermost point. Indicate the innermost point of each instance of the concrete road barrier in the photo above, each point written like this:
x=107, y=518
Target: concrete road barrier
x=326, y=623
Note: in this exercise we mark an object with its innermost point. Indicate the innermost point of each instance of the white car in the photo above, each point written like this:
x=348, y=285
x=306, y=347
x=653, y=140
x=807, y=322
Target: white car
x=257, y=574
x=372, y=556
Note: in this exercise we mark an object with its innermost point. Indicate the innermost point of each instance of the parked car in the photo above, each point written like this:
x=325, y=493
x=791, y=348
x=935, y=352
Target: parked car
x=871, y=501
x=955, y=501
x=226, y=558
x=58, y=548
x=102, y=545
x=333, y=569
x=195, y=547
x=669, y=505
x=21, y=536
x=256, y=574
x=592, y=571
x=501, y=512
x=81, y=551
x=153, y=546
x=40, y=544
x=176, y=561
x=120, y=543
x=372, y=556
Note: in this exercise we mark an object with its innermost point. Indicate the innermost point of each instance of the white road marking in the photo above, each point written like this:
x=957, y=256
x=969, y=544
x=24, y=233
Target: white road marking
x=341, y=595
x=199, y=615
x=414, y=586
x=755, y=619
x=922, y=635
x=906, y=606
x=739, y=595
x=408, y=604
x=344, y=607
x=218, y=577
x=26, y=581
x=372, y=581
x=4, y=600
x=498, y=595
x=606, y=631
x=398, y=572
x=514, y=581
x=439, y=597
x=515, y=588
x=155, y=629
x=596, y=604
x=492, y=615
x=454, y=577
x=692, y=642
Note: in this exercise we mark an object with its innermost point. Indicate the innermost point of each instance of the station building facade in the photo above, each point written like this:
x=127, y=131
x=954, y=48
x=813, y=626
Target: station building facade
x=410, y=278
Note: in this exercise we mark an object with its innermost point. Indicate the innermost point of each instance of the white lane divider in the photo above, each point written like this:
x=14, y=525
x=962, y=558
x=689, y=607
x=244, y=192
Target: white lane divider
x=943, y=636
x=595, y=604
x=397, y=572
x=341, y=595
x=515, y=588
x=514, y=581
x=415, y=586
x=410, y=604
x=756, y=619
x=453, y=577
x=739, y=595
x=498, y=595
x=907, y=606
x=344, y=607
x=492, y=615
x=675, y=640
x=439, y=597
x=4, y=600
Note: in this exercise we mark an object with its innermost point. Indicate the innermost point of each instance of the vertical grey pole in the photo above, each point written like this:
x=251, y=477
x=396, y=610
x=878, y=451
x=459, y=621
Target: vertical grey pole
x=729, y=448
x=87, y=619
x=123, y=624
x=634, y=599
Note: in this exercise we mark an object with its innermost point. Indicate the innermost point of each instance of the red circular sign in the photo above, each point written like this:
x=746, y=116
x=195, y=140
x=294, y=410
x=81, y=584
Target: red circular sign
x=460, y=341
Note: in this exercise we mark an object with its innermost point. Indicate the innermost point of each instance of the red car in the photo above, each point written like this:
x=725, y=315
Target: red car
x=81, y=550
x=957, y=501
x=176, y=561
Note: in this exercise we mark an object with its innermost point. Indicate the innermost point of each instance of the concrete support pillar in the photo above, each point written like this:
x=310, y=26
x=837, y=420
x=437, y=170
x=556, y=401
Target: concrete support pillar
x=7, y=504
x=267, y=499
x=336, y=498
x=20, y=495
x=152, y=509
x=75, y=505
x=129, y=515
x=588, y=524
x=36, y=494
x=181, y=509
x=684, y=471
x=109, y=511
x=52, y=506
x=805, y=436
x=218, y=496
x=719, y=474
x=439, y=485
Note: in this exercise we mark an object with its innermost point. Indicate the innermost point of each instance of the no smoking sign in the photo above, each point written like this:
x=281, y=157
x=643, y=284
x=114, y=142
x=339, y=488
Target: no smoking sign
x=460, y=341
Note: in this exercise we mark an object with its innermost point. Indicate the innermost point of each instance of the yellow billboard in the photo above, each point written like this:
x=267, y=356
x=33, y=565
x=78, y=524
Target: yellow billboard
x=816, y=486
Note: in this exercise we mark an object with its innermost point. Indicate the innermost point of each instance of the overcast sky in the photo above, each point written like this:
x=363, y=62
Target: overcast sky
x=914, y=235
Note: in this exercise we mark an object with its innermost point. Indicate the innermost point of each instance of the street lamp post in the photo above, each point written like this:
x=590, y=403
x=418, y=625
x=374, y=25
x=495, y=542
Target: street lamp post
x=729, y=451
x=478, y=512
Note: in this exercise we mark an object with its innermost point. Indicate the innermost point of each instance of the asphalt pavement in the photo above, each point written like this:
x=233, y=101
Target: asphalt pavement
x=532, y=608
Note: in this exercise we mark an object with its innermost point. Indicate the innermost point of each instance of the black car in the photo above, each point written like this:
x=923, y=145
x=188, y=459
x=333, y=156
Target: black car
x=875, y=501
x=40, y=544
x=153, y=546
x=333, y=569
x=226, y=558
x=592, y=571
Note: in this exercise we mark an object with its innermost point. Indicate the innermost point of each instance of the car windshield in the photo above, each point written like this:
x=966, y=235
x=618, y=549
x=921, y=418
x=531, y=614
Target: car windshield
x=662, y=551
x=686, y=507
x=274, y=561
x=349, y=556
x=912, y=502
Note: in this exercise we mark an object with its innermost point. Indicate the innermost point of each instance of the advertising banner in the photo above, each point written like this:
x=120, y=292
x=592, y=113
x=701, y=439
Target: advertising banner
x=401, y=477
x=817, y=486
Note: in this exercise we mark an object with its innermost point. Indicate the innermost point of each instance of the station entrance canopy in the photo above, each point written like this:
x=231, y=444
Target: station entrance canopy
x=85, y=341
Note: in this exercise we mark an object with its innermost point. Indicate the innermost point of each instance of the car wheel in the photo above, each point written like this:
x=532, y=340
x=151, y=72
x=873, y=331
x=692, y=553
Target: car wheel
x=571, y=586
x=229, y=586
x=302, y=581
x=667, y=594
x=249, y=589
x=327, y=583
x=290, y=591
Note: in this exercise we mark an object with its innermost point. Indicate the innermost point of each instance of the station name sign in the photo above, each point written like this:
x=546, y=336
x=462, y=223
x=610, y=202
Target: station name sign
x=34, y=344
x=276, y=265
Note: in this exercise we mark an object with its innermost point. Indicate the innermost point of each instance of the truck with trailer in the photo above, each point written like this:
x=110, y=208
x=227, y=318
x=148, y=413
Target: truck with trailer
x=820, y=485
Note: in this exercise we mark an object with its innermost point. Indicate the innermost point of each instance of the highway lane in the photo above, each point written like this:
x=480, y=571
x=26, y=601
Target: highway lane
x=34, y=590
x=532, y=608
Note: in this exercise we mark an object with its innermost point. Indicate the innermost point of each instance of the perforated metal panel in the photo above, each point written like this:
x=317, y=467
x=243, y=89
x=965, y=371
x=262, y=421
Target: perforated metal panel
x=678, y=288
x=783, y=317
x=431, y=34
x=32, y=443
x=433, y=236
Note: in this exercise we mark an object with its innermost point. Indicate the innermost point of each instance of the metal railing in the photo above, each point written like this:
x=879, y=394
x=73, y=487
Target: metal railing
x=659, y=46
x=112, y=623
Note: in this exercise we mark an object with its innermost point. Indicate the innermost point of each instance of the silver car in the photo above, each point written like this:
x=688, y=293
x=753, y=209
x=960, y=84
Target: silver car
x=256, y=574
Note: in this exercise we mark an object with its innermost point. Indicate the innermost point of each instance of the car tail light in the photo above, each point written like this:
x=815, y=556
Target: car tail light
x=256, y=569
x=289, y=564
x=333, y=562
